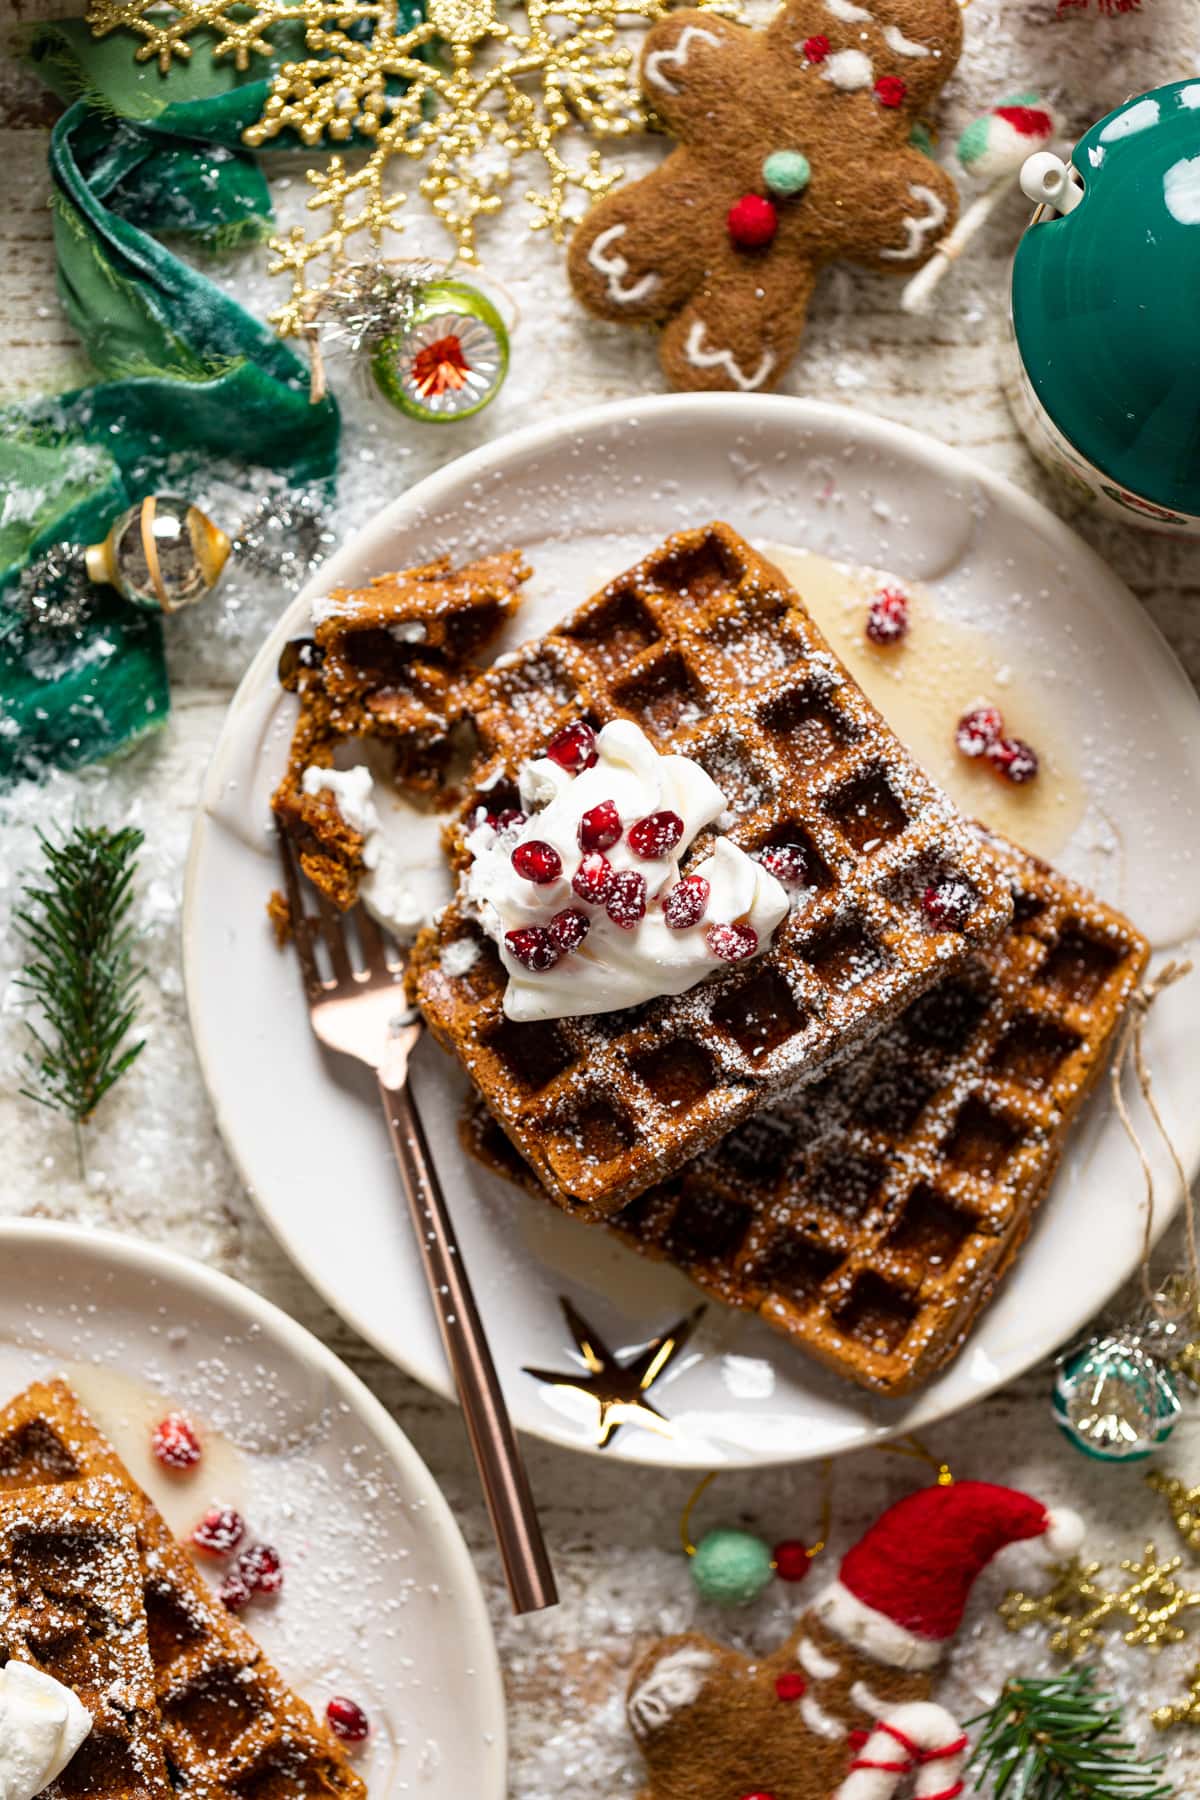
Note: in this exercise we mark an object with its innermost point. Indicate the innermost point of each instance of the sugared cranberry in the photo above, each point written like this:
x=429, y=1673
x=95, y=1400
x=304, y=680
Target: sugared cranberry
x=816, y=49
x=220, y=1531
x=655, y=835
x=791, y=1685
x=600, y=826
x=792, y=1560
x=685, y=903
x=732, y=943
x=235, y=1592
x=568, y=929
x=887, y=618
x=175, y=1443
x=537, y=861
x=347, y=1720
x=947, y=904
x=533, y=947
x=890, y=90
x=593, y=878
x=574, y=747
x=507, y=819
x=261, y=1569
x=978, y=730
x=626, y=903
x=1014, y=759
x=786, y=862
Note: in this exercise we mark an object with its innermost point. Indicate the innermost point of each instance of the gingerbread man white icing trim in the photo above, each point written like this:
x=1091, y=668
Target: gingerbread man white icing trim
x=917, y=228
x=676, y=57
x=672, y=1684
x=814, y=1662
x=614, y=268
x=895, y=40
x=819, y=1722
x=702, y=358
x=868, y=1702
x=848, y=12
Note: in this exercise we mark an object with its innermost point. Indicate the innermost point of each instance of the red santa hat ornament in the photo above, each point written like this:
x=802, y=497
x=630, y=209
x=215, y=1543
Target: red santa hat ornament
x=901, y=1591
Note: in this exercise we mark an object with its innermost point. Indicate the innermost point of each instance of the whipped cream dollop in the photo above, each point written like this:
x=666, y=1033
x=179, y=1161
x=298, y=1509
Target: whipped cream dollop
x=615, y=966
x=404, y=883
x=42, y=1724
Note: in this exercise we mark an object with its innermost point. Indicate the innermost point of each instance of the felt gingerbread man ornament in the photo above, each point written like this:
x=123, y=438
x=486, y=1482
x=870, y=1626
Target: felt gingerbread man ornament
x=841, y=1711
x=793, y=150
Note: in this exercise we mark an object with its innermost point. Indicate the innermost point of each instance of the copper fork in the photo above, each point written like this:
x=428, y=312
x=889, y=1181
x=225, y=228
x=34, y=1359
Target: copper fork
x=360, y=1010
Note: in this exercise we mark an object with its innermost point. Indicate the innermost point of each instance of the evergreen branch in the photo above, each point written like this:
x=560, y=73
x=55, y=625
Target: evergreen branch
x=1060, y=1740
x=80, y=968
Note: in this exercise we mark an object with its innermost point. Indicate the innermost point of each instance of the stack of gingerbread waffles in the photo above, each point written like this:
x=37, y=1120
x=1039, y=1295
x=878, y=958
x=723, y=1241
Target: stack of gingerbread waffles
x=848, y=1132
x=96, y=1592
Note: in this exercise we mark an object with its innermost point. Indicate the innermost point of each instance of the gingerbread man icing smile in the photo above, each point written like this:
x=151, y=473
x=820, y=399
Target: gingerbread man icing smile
x=793, y=151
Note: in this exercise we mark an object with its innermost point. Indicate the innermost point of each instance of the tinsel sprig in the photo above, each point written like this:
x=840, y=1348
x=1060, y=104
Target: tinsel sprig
x=80, y=971
x=1059, y=1739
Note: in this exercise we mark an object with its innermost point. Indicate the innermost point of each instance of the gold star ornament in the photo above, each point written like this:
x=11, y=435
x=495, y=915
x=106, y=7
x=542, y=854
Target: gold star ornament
x=619, y=1387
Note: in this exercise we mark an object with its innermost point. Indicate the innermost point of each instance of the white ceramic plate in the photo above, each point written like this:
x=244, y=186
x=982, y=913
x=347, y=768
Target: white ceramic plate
x=379, y=1601
x=583, y=498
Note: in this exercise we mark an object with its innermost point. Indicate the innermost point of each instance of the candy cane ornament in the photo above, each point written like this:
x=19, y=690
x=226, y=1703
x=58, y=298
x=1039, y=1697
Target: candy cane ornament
x=922, y=1740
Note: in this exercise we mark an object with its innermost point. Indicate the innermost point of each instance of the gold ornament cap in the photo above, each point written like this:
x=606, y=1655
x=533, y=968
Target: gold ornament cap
x=163, y=554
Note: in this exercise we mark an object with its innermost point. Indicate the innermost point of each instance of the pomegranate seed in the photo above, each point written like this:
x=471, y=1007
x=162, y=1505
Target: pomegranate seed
x=533, y=947
x=791, y=1685
x=175, y=1443
x=235, y=1592
x=1014, y=759
x=507, y=820
x=978, y=730
x=792, y=1560
x=947, y=904
x=569, y=928
x=732, y=943
x=261, y=1569
x=887, y=618
x=786, y=862
x=685, y=903
x=600, y=826
x=574, y=747
x=220, y=1531
x=593, y=878
x=537, y=861
x=655, y=835
x=347, y=1720
x=626, y=902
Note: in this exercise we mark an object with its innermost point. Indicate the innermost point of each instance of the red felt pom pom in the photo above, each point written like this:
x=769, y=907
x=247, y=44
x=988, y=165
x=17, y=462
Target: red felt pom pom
x=816, y=49
x=791, y=1685
x=792, y=1560
x=890, y=90
x=752, y=222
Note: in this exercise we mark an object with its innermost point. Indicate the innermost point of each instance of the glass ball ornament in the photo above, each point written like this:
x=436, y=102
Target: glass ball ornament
x=731, y=1567
x=1113, y=1401
x=162, y=555
x=450, y=359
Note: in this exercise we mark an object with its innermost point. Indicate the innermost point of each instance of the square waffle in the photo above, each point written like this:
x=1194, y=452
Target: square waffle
x=389, y=661
x=872, y=1218
x=71, y=1605
x=230, y=1725
x=707, y=648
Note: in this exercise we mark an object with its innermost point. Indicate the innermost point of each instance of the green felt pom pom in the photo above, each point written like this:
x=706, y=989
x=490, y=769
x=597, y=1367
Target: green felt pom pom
x=786, y=173
x=921, y=138
x=731, y=1567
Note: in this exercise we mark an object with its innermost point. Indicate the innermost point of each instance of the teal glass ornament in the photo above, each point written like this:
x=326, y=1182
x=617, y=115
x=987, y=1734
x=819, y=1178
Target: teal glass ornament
x=1105, y=381
x=1113, y=1401
x=731, y=1567
x=786, y=173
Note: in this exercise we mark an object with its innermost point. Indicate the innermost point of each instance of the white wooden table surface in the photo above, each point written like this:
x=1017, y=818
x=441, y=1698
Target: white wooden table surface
x=156, y=1167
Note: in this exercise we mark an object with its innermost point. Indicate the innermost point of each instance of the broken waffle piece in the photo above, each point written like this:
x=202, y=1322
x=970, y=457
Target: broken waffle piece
x=872, y=1218
x=389, y=662
x=707, y=650
x=230, y=1724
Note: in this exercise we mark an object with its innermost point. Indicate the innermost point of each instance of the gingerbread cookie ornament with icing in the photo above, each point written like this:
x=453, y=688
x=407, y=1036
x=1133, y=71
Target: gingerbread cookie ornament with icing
x=841, y=1711
x=793, y=151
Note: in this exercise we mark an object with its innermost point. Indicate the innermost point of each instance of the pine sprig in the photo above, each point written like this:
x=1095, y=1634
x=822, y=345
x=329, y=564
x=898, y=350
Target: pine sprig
x=1060, y=1740
x=80, y=968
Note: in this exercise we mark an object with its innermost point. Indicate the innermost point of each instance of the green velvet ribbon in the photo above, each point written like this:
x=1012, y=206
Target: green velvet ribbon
x=188, y=378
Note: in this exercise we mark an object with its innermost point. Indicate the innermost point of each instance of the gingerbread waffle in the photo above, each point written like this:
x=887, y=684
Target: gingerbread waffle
x=871, y=1219
x=390, y=661
x=230, y=1725
x=707, y=648
x=71, y=1605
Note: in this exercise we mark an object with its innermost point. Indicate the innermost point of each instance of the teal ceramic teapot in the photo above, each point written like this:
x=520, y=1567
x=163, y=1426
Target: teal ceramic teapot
x=1105, y=380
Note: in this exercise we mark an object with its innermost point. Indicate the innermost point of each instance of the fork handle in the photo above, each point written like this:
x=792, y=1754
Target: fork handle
x=494, y=1444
